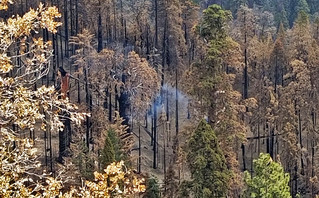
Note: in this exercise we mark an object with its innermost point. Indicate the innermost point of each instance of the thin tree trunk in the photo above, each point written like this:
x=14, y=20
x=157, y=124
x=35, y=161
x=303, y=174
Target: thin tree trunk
x=245, y=95
x=164, y=152
x=115, y=23
x=79, y=88
x=55, y=59
x=45, y=147
x=244, y=156
x=62, y=145
x=88, y=103
x=100, y=33
x=258, y=141
x=164, y=55
x=139, y=150
x=50, y=147
x=71, y=19
x=272, y=135
x=312, y=167
x=156, y=23
x=66, y=29
x=61, y=47
x=116, y=98
x=177, y=104
x=76, y=17
x=276, y=74
x=147, y=41
x=122, y=18
x=300, y=141
x=155, y=136
x=110, y=106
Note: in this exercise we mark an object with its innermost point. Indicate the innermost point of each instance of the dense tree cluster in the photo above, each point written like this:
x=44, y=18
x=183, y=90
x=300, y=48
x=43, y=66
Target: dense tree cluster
x=193, y=91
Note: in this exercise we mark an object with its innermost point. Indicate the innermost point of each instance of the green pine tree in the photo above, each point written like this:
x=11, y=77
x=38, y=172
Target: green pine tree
x=207, y=164
x=107, y=155
x=116, y=145
x=82, y=160
x=152, y=188
x=281, y=18
x=213, y=24
x=303, y=6
x=296, y=7
x=269, y=180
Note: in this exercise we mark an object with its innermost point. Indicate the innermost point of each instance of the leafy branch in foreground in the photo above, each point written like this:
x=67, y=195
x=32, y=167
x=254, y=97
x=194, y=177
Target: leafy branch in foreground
x=25, y=59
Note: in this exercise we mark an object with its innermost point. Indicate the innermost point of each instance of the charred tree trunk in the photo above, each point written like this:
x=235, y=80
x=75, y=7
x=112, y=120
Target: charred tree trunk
x=124, y=104
x=164, y=55
x=108, y=25
x=76, y=17
x=271, y=143
x=46, y=147
x=276, y=74
x=156, y=23
x=122, y=19
x=110, y=106
x=300, y=141
x=61, y=48
x=246, y=77
x=50, y=147
x=115, y=23
x=147, y=41
x=100, y=33
x=55, y=59
x=139, y=150
x=244, y=158
x=66, y=29
x=245, y=95
x=258, y=140
x=116, y=99
x=177, y=105
x=88, y=98
x=295, y=190
x=62, y=145
x=312, y=166
x=155, y=136
x=67, y=125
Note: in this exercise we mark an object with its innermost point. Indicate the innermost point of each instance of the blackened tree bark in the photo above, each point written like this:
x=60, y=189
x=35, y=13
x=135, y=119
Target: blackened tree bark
x=164, y=54
x=245, y=95
x=110, y=106
x=115, y=21
x=88, y=99
x=244, y=158
x=124, y=103
x=66, y=29
x=156, y=23
x=177, y=105
x=155, y=136
x=62, y=145
x=99, y=30
x=139, y=150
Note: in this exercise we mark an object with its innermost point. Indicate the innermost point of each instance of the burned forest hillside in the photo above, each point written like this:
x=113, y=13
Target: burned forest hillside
x=159, y=98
